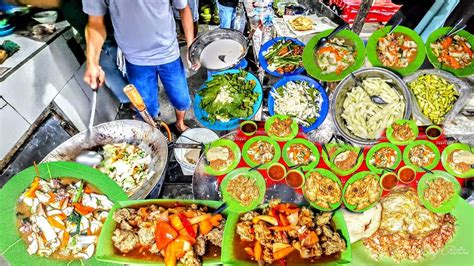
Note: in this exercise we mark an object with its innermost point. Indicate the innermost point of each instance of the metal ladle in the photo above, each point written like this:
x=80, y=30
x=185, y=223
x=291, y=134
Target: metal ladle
x=374, y=98
x=88, y=157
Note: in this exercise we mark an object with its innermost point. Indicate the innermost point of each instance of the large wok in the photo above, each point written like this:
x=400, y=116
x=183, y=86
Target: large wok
x=130, y=131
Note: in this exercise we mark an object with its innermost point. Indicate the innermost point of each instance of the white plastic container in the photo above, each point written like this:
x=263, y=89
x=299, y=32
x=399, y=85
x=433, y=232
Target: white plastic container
x=203, y=135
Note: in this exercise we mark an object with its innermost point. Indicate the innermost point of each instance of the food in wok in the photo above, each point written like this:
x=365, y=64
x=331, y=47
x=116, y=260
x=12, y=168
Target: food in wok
x=284, y=231
x=421, y=155
x=335, y=56
x=182, y=234
x=261, y=152
x=438, y=191
x=366, y=119
x=454, y=51
x=220, y=157
x=396, y=50
x=299, y=100
x=301, y=23
x=460, y=161
x=435, y=96
x=284, y=56
x=127, y=164
x=228, y=96
x=408, y=231
x=322, y=190
x=363, y=192
x=61, y=218
x=244, y=189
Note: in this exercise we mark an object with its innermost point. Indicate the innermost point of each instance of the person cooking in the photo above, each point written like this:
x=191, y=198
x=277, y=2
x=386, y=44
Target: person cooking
x=145, y=31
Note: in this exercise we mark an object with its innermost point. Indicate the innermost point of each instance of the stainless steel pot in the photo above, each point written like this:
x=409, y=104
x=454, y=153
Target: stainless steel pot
x=347, y=83
x=209, y=37
x=130, y=131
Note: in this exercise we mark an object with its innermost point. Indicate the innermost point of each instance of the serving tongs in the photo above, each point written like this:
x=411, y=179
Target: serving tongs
x=455, y=29
x=338, y=140
x=394, y=26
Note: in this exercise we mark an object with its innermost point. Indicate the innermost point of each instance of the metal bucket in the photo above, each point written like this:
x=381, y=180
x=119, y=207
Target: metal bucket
x=150, y=139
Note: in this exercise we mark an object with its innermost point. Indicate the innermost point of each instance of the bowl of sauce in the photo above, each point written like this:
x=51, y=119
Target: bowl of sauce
x=389, y=181
x=433, y=132
x=406, y=174
x=276, y=172
x=249, y=128
x=295, y=179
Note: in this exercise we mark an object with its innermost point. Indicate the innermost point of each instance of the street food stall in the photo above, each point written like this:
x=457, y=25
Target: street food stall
x=323, y=148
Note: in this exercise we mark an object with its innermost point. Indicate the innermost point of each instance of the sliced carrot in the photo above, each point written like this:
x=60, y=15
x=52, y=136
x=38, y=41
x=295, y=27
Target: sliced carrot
x=83, y=210
x=205, y=227
x=280, y=254
x=257, y=250
x=55, y=223
x=31, y=192
x=282, y=228
x=216, y=220
x=65, y=241
x=52, y=198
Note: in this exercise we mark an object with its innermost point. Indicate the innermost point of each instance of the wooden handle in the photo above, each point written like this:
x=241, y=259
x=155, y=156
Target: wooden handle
x=135, y=97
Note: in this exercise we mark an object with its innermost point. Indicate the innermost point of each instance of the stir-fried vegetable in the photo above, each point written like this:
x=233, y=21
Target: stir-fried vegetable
x=366, y=119
x=396, y=50
x=298, y=100
x=435, y=96
x=335, y=56
x=228, y=96
x=453, y=51
x=284, y=56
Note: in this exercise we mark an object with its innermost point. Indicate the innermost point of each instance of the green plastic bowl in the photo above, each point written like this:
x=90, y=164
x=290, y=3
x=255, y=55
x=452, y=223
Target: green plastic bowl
x=413, y=127
x=444, y=159
x=450, y=203
x=430, y=145
x=461, y=72
x=251, y=141
x=372, y=49
x=309, y=59
x=342, y=148
x=355, y=178
x=376, y=148
x=328, y=174
x=233, y=147
x=308, y=144
x=233, y=204
x=294, y=128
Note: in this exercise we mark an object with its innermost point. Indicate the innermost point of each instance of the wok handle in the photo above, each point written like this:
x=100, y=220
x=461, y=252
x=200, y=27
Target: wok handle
x=135, y=97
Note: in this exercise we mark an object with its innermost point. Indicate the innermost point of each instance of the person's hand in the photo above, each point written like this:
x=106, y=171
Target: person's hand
x=94, y=76
x=194, y=67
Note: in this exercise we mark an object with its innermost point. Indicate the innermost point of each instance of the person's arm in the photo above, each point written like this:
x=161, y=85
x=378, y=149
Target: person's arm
x=188, y=27
x=95, y=38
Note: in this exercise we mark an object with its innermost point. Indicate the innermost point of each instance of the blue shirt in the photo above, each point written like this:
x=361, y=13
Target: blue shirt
x=145, y=30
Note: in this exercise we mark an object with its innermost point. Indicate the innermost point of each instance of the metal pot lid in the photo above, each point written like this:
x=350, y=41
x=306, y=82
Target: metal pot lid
x=219, y=49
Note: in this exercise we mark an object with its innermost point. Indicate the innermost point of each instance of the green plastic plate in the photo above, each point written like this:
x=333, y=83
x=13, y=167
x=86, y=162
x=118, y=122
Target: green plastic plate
x=342, y=148
x=413, y=127
x=450, y=203
x=461, y=72
x=309, y=59
x=328, y=174
x=234, y=148
x=233, y=204
x=294, y=128
x=230, y=258
x=413, y=66
x=456, y=252
x=105, y=249
x=251, y=141
x=430, y=145
x=377, y=147
x=12, y=247
x=444, y=159
x=354, y=178
x=308, y=144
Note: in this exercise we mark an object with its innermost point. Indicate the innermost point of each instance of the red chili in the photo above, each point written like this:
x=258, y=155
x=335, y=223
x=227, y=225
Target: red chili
x=282, y=262
x=187, y=225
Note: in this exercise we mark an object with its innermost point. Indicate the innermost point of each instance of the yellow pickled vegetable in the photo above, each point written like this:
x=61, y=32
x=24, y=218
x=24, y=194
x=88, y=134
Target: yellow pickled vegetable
x=435, y=96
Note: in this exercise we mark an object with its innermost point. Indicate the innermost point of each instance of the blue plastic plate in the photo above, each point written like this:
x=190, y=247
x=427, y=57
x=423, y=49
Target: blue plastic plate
x=264, y=63
x=202, y=115
x=324, y=106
